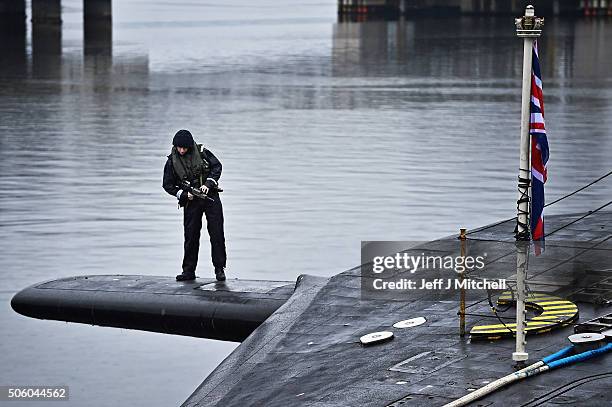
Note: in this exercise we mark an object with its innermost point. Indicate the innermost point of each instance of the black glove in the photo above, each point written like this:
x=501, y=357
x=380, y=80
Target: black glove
x=212, y=187
x=183, y=199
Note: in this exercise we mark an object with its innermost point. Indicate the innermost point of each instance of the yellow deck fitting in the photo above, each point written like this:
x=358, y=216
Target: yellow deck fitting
x=554, y=312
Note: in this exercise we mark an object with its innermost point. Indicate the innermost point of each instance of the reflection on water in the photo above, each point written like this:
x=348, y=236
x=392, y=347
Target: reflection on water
x=330, y=133
x=483, y=48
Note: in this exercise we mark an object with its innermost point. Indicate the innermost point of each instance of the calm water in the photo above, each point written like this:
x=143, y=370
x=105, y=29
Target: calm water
x=329, y=134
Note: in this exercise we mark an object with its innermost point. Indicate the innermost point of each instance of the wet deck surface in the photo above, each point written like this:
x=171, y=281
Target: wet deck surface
x=308, y=352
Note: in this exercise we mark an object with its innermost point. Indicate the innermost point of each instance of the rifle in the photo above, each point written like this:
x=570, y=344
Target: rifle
x=186, y=185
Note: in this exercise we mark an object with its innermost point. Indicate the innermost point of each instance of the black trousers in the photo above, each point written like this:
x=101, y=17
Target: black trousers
x=192, y=222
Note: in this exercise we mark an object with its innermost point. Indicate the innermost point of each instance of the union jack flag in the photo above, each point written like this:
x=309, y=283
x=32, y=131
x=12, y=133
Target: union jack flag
x=539, y=149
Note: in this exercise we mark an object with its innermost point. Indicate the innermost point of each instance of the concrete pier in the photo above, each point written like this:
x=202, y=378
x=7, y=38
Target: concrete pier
x=14, y=44
x=50, y=11
x=46, y=50
x=97, y=27
x=46, y=38
x=98, y=37
x=46, y=12
x=97, y=10
x=12, y=11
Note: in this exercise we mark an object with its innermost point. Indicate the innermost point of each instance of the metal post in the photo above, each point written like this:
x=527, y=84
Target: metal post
x=463, y=239
x=528, y=27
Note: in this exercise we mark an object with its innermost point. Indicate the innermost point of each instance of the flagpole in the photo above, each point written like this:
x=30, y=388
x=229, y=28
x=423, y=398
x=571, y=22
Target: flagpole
x=528, y=27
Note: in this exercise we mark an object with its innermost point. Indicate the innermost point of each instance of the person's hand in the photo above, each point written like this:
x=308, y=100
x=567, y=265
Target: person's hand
x=190, y=196
x=204, y=189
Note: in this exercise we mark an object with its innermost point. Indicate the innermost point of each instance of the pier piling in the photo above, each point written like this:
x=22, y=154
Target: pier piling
x=97, y=27
x=13, y=37
x=46, y=49
x=96, y=10
x=46, y=12
x=12, y=12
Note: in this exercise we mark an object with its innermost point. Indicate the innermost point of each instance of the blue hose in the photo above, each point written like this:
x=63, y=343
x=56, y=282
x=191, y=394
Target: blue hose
x=579, y=357
x=562, y=353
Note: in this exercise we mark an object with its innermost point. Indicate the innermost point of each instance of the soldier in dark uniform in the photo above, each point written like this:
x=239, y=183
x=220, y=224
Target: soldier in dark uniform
x=191, y=162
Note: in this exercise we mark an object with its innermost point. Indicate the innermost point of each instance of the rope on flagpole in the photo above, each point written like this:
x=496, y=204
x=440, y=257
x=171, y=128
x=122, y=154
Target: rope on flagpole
x=522, y=230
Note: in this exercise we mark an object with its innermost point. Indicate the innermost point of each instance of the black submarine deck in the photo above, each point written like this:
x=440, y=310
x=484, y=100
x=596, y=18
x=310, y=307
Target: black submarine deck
x=202, y=308
x=304, y=350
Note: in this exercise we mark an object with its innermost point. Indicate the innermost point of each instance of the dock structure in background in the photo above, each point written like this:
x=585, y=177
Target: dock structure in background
x=50, y=11
x=46, y=18
x=396, y=8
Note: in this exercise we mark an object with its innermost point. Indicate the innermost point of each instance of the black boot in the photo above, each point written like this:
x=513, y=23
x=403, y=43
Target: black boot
x=185, y=277
x=220, y=273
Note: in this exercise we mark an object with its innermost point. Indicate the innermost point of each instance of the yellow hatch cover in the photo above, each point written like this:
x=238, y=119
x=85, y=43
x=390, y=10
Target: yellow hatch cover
x=555, y=312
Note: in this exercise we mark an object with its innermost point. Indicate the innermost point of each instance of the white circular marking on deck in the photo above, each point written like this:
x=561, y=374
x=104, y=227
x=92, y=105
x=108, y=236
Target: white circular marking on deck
x=376, y=337
x=409, y=323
